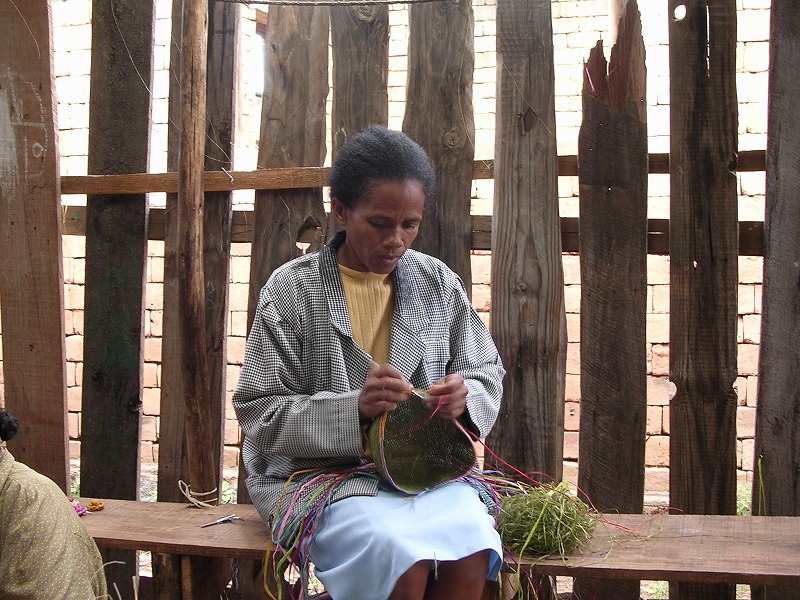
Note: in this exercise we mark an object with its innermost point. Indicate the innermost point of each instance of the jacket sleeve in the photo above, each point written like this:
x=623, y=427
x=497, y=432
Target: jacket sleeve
x=475, y=357
x=273, y=400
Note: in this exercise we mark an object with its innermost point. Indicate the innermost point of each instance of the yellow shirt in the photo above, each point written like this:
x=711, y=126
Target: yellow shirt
x=46, y=552
x=370, y=302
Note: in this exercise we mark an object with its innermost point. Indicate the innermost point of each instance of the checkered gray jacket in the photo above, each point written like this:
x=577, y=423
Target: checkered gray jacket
x=297, y=395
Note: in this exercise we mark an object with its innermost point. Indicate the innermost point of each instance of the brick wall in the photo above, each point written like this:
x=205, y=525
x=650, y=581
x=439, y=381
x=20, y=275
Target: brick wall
x=577, y=24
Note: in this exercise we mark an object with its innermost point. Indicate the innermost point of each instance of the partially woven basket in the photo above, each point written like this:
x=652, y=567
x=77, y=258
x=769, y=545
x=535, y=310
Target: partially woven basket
x=415, y=449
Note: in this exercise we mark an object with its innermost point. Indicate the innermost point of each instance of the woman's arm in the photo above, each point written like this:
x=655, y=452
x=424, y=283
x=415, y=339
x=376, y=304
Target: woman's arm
x=472, y=388
x=278, y=404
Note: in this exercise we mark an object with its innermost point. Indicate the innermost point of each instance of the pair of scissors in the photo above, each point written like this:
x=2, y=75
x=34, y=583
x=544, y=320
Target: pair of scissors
x=225, y=519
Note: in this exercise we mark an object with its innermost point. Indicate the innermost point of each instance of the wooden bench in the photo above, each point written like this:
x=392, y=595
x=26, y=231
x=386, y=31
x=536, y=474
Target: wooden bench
x=692, y=548
x=174, y=528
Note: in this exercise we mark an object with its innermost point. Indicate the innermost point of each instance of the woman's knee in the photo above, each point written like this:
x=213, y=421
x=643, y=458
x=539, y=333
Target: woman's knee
x=412, y=584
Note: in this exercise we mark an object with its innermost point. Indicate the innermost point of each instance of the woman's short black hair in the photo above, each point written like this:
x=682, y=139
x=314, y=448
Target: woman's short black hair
x=377, y=154
x=8, y=425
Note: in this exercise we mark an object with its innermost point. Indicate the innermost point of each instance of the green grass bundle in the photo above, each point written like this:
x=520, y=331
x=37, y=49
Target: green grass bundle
x=538, y=521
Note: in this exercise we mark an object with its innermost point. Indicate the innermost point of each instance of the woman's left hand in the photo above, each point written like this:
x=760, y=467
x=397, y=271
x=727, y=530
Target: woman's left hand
x=448, y=397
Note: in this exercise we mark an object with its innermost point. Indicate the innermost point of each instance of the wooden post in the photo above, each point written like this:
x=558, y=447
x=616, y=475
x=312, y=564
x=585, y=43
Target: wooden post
x=191, y=284
x=528, y=317
x=217, y=216
x=31, y=273
x=116, y=255
x=439, y=116
x=172, y=460
x=703, y=264
x=207, y=577
x=292, y=134
x=613, y=251
x=360, y=51
x=220, y=99
x=776, y=477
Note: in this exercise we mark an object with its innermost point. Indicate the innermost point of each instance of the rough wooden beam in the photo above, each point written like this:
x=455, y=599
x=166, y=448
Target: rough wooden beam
x=528, y=318
x=302, y=177
x=191, y=287
x=703, y=265
x=31, y=278
x=776, y=486
x=439, y=116
x=613, y=250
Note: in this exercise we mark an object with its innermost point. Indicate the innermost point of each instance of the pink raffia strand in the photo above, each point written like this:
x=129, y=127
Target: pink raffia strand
x=552, y=486
x=81, y=510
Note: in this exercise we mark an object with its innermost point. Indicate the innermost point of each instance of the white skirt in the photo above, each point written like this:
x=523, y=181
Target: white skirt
x=363, y=544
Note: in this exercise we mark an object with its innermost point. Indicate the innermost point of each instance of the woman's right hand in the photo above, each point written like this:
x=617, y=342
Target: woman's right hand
x=384, y=388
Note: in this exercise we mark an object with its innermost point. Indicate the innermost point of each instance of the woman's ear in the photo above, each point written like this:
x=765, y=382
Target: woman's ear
x=339, y=211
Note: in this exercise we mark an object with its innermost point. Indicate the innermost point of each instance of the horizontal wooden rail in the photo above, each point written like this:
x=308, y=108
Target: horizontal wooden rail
x=751, y=233
x=309, y=177
x=699, y=548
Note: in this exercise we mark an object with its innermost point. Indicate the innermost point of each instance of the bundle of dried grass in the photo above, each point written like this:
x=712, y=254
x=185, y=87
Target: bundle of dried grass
x=539, y=520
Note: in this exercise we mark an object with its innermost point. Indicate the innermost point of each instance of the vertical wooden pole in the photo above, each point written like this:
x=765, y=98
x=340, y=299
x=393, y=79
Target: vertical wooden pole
x=223, y=61
x=360, y=60
x=191, y=282
x=222, y=57
x=207, y=576
x=613, y=251
x=703, y=264
x=776, y=485
x=292, y=134
x=528, y=316
x=172, y=460
x=360, y=51
x=220, y=99
x=439, y=116
x=116, y=255
x=31, y=271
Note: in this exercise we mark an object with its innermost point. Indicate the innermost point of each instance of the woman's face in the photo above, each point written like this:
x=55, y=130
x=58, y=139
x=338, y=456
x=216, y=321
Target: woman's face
x=381, y=227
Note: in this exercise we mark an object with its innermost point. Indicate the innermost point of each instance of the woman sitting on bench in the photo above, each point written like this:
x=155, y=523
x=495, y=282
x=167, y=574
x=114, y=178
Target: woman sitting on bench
x=46, y=552
x=340, y=337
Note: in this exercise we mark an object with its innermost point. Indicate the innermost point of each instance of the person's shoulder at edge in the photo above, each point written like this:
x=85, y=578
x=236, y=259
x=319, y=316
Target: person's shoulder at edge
x=290, y=274
x=424, y=266
x=293, y=284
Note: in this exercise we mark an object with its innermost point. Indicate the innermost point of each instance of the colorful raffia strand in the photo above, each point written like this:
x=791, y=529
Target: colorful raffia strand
x=295, y=522
x=534, y=518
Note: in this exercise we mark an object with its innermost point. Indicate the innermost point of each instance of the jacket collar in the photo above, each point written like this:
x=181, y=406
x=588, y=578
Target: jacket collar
x=410, y=318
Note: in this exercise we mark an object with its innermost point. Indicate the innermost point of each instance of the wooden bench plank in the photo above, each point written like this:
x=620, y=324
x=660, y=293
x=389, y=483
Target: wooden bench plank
x=699, y=548
x=174, y=528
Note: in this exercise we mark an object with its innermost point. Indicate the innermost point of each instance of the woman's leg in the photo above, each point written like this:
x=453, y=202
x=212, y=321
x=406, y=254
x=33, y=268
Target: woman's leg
x=464, y=579
x=412, y=583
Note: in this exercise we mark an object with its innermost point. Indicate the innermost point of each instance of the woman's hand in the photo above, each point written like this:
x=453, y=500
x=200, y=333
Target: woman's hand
x=448, y=397
x=384, y=388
